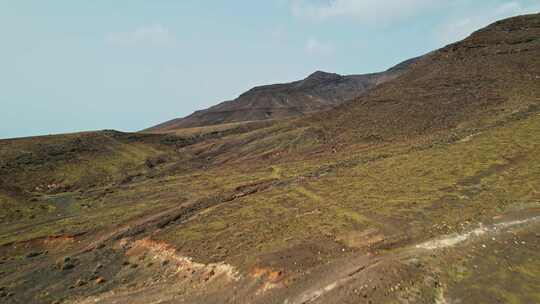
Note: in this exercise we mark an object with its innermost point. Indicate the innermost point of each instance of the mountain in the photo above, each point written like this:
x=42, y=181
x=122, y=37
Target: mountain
x=484, y=80
x=493, y=74
x=319, y=91
x=423, y=190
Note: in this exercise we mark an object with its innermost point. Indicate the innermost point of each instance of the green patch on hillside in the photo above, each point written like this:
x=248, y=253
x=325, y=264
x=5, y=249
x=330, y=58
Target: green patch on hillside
x=407, y=196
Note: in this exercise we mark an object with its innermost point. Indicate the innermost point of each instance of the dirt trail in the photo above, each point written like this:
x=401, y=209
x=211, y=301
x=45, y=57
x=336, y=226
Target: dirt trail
x=455, y=239
x=312, y=296
x=415, y=251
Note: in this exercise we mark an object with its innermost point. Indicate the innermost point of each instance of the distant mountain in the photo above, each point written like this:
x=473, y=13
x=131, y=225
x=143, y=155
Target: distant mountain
x=319, y=91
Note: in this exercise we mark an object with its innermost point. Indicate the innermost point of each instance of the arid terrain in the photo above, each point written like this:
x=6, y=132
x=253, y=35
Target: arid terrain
x=422, y=189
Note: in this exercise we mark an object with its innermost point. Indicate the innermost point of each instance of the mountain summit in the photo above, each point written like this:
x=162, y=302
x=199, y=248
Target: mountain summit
x=319, y=91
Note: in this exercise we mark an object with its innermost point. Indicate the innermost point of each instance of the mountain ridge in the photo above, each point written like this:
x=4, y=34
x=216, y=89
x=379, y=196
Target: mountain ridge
x=318, y=91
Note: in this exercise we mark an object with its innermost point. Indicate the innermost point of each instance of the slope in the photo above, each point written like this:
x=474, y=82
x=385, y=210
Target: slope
x=490, y=75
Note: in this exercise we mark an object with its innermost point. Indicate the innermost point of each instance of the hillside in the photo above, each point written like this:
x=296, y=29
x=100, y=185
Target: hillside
x=493, y=74
x=319, y=91
x=426, y=189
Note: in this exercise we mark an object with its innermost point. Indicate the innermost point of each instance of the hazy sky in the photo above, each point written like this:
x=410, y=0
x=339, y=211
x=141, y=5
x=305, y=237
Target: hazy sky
x=68, y=65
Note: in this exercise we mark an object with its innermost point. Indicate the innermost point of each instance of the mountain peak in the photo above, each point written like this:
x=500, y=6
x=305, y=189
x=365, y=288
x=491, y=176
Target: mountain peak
x=317, y=78
x=322, y=75
x=320, y=90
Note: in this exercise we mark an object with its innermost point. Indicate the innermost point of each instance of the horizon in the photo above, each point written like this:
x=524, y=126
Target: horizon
x=128, y=68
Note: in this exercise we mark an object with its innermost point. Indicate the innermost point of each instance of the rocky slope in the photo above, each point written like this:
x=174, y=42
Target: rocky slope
x=492, y=74
x=319, y=91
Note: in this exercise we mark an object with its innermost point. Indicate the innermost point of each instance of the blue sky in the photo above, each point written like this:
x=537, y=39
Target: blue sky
x=70, y=65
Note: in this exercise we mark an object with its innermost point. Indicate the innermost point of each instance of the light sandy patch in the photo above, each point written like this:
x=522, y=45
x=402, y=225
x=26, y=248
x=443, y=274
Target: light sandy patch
x=454, y=239
x=162, y=251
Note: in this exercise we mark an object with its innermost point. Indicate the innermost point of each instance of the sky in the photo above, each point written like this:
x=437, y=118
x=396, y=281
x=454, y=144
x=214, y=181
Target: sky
x=68, y=66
